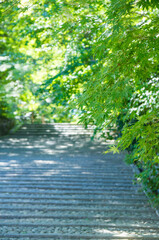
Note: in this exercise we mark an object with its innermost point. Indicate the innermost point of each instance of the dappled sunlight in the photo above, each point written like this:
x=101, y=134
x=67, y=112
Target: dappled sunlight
x=116, y=233
x=13, y=163
x=87, y=173
x=13, y=154
x=29, y=147
x=17, y=140
x=50, y=142
x=100, y=161
x=129, y=233
x=24, y=128
x=3, y=164
x=93, y=147
x=61, y=147
x=46, y=162
x=51, y=172
x=53, y=152
x=77, y=167
x=10, y=174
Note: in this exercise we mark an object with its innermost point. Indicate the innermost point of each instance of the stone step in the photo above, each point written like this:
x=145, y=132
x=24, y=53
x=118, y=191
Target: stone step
x=112, y=182
x=90, y=198
x=56, y=125
x=73, y=236
x=73, y=192
x=42, y=167
x=52, y=164
x=70, y=208
x=68, y=181
x=89, y=215
x=56, y=130
x=99, y=169
x=79, y=217
x=94, y=225
x=69, y=133
x=48, y=164
x=53, y=179
x=68, y=187
x=86, y=176
x=97, y=230
x=121, y=221
x=70, y=169
x=73, y=205
x=35, y=137
x=77, y=174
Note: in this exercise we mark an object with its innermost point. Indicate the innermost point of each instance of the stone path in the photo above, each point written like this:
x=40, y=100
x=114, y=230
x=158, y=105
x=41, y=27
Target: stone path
x=55, y=183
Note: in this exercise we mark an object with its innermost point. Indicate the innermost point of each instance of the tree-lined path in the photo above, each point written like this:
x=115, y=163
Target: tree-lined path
x=55, y=183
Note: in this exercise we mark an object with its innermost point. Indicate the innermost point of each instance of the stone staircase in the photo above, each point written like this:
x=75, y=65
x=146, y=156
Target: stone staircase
x=55, y=129
x=55, y=183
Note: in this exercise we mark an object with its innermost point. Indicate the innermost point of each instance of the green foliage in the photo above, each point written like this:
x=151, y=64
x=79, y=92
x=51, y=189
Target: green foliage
x=123, y=92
